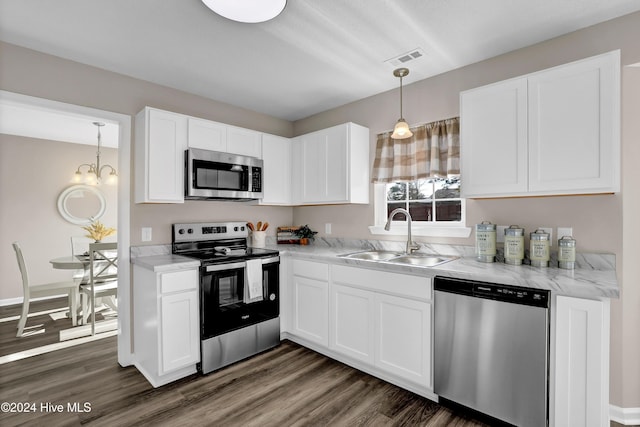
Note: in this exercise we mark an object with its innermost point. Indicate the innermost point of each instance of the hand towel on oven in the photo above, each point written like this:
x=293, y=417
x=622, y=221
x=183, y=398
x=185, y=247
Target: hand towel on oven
x=253, y=287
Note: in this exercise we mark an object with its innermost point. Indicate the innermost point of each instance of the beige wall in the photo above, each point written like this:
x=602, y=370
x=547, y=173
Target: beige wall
x=33, y=173
x=597, y=221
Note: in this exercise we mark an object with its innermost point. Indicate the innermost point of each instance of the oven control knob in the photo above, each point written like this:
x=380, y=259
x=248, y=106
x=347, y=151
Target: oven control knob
x=272, y=297
x=190, y=231
x=235, y=228
x=181, y=231
x=242, y=228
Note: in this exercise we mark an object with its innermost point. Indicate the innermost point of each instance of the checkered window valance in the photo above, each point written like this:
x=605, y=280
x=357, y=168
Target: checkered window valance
x=432, y=151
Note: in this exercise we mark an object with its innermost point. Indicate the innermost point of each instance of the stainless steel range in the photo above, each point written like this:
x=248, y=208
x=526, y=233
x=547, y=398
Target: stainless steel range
x=239, y=291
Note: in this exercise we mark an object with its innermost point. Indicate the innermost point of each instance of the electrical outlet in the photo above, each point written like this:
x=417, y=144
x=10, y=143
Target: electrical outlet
x=548, y=230
x=327, y=228
x=500, y=233
x=146, y=234
x=565, y=231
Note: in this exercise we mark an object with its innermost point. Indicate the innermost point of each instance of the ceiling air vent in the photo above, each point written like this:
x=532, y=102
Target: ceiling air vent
x=403, y=59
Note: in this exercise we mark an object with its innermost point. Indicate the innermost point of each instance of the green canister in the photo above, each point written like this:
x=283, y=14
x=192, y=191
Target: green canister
x=567, y=253
x=513, y=245
x=485, y=242
x=539, y=248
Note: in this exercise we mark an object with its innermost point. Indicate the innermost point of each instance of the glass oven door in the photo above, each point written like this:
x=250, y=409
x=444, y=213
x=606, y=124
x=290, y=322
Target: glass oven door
x=222, y=300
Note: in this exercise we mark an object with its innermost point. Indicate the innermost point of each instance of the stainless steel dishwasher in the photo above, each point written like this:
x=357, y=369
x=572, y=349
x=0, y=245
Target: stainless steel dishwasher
x=491, y=349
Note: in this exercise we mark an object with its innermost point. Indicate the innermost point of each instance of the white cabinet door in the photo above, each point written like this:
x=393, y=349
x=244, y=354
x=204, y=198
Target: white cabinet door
x=180, y=338
x=573, y=127
x=351, y=322
x=403, y=338
x=581, y=371
x=207, y=135
x=245, y=142
x=276, y=177
x=493, y=139
x=161, y=139
x=331, y=166
x=310, y=318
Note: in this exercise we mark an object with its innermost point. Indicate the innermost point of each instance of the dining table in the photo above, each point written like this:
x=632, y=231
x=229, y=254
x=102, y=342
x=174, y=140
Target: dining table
x=74, y=262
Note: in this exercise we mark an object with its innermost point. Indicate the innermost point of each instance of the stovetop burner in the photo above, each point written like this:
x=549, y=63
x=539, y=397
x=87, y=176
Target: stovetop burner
x=214, y=243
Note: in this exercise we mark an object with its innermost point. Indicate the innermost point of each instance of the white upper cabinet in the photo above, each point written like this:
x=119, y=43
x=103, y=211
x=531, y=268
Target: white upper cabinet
x=276, y=174
x=207, y=135
x=331, y=166
x=494, y=139
x=161, y=138
x=245, y=142
x=552, y=132
x=214, y=136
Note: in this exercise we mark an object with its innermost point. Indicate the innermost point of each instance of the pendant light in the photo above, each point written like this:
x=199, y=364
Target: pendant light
x=94, y=172
x=401, y=129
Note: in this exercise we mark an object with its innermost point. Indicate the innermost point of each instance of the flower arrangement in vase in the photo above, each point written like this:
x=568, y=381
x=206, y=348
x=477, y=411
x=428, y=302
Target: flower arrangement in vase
x=97, y=231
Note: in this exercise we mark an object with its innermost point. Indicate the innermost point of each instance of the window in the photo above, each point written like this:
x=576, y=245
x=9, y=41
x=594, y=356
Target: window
x=431, y=200
x=434, y=204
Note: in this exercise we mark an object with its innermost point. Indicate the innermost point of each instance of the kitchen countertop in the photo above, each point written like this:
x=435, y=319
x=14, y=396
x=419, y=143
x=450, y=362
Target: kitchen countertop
x=168, y=262
x=594, y=276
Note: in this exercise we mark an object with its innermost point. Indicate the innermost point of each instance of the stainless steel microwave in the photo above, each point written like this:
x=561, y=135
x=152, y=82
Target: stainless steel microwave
x=222, y=176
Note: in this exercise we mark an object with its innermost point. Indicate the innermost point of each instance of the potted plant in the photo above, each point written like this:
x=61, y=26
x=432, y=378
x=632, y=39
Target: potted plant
x=97, y=231
x=305, y=233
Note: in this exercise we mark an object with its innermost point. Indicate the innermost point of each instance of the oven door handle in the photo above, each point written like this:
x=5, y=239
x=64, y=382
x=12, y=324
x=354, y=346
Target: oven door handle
x=231, y=266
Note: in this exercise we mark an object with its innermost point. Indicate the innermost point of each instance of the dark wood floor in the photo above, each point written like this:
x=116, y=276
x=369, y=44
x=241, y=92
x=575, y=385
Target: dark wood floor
x=39, y=331
x=287, y=386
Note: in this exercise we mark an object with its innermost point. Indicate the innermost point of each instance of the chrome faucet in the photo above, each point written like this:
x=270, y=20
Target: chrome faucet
x=411, y=245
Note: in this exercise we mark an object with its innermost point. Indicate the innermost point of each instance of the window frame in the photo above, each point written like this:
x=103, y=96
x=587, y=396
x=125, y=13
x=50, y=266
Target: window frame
x=418, y=228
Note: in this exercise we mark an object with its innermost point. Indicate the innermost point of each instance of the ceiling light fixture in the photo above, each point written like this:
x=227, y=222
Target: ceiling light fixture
x=247, y=11
x=93, y=175
x=401, y=129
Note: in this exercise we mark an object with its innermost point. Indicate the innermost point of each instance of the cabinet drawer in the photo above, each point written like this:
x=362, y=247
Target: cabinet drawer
x=382, y=281
x=178, y=281
x=313, y=270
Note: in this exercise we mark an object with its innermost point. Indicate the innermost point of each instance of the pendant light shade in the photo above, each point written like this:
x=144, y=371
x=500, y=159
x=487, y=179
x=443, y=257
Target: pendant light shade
x=247, y=11
x=401, y=129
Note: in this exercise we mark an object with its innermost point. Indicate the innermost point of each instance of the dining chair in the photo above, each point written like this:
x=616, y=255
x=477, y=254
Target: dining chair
x=79, y=247
x=31, y=291
x=103, y=279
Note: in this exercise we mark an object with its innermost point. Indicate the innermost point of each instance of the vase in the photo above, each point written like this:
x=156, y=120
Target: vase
x=304, y=241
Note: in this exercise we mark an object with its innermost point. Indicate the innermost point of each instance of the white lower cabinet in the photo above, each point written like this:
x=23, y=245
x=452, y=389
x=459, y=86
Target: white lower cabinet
x=580, y=363
x=352, y=328
x=403, y=338
x=166, y=327
x=376, y=321
x=310, y=296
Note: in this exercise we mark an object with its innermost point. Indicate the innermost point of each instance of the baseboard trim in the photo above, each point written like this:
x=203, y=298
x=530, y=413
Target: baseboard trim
x=16, y=301
x=625, y=416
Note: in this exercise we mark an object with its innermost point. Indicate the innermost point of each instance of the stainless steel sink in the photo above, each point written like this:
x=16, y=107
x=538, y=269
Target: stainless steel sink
x=373, y=255
x=422, y=260
x=417, y=259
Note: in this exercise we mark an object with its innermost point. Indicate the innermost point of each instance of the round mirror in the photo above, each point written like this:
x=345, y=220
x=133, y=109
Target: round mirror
x=81, y=204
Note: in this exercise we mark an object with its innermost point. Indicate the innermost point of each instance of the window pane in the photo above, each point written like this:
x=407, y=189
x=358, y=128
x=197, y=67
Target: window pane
x=420, y=190
x=447, y=188
x=397, y=191
x=393, y=205
x=449, y=211
x=421, y=211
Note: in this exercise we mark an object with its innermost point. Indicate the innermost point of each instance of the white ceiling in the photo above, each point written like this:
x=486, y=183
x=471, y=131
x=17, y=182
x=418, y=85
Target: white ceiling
x=317, y=55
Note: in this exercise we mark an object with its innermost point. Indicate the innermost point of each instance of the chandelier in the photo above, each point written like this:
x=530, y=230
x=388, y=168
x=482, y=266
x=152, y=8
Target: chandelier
x=93, y=175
